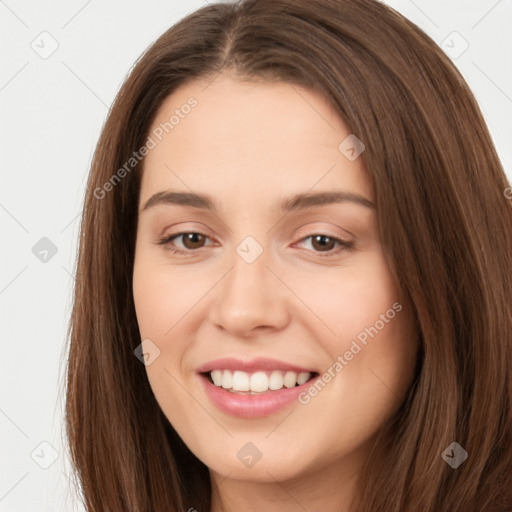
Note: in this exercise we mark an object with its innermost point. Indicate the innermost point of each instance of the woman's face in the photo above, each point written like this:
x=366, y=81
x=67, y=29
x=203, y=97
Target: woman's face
x=280, y=276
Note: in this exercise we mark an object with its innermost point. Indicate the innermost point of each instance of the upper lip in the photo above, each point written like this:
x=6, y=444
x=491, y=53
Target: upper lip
x=260, y=363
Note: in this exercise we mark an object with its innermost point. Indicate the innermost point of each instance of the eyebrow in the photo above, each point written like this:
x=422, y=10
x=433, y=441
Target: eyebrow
x=293, y=203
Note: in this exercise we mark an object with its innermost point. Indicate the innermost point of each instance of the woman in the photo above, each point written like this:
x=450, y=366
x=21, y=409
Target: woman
x=293, y=284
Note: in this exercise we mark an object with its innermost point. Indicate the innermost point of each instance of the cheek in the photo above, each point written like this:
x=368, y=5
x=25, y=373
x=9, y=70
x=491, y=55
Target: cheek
x=163, y=295
x=162, y=298
x=350, y=299
x=369, y=330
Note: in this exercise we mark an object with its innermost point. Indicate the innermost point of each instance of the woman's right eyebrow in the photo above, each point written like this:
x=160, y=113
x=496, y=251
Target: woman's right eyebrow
x=296, y=202
x=180, y=198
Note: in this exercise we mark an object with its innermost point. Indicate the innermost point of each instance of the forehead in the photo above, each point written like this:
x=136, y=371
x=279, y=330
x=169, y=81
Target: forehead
x=252, y=137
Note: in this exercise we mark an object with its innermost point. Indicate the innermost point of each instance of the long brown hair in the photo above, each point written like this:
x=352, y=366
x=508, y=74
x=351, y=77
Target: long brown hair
x=445, y=223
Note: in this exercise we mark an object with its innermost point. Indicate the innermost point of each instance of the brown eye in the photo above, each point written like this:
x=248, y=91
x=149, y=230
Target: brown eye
x=325, y=245
x=192, y=240
x=323, y=242
x=185, y=243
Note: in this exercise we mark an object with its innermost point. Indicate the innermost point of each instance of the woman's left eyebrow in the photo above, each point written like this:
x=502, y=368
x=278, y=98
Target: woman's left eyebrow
x=310, y=200
x=180, y=198
x=296, y=202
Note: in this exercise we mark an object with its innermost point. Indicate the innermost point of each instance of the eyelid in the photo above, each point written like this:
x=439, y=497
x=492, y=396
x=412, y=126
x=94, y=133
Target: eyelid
x=343, y=245
x=166, y=239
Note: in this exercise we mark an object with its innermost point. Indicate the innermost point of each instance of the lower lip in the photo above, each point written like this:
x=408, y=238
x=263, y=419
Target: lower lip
x=252, y=406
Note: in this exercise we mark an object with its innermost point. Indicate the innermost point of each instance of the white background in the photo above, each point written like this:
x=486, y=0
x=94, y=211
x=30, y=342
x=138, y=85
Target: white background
x=51, y=113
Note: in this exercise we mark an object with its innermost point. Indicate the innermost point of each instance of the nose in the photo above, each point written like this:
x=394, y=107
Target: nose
x=250, y=300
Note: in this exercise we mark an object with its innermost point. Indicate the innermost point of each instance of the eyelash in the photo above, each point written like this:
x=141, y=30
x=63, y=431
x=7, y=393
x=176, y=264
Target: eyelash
x=344, y=245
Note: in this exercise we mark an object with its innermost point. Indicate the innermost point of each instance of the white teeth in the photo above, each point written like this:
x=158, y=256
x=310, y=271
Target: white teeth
x=275, y=381
x=227, y=379
x=217, y=377
x=240, y=381
x=303, y=377
x=258, y=382
x=290, y=379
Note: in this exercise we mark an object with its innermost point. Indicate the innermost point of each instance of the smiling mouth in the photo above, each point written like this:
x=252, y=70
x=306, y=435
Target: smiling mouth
x=255, y=383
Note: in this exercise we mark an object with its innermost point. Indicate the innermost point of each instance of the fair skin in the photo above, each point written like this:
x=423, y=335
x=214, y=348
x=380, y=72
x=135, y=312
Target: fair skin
x=249, y=146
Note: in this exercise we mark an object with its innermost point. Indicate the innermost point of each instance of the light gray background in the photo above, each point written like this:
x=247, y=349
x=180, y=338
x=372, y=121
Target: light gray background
x=51, y=112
